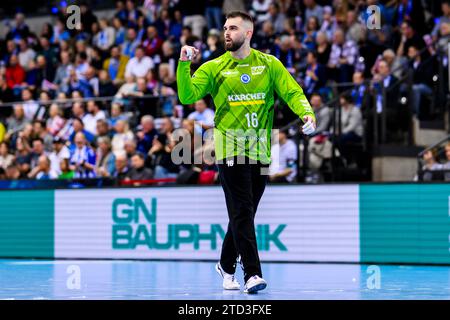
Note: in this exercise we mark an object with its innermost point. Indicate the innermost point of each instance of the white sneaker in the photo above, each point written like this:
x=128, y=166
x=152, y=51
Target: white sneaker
x=255, y=284
x=229, y=281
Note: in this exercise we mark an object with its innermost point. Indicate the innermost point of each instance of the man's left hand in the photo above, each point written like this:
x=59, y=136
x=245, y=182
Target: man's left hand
x=310, y=125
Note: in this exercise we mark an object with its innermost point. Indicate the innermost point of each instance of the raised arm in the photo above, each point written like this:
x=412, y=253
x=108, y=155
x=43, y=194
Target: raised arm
x=192, y=89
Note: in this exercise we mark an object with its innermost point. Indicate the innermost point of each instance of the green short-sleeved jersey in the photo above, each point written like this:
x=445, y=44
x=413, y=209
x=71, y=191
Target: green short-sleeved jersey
x=243, y=94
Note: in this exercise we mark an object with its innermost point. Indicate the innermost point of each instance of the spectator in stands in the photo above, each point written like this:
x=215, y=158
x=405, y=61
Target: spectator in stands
x=106, y=37
x=20, y=30
x=285, y=52
x=131, y=43
x=410, y=11
x=161, y=151
x=43, y=170
x=359, y=90
x=408, y=38
x=384, y=79
x=122, y=134
x=164, y=23
x=23, y=156
x=103, y=129
x=342, y=57
x=26, y=54
x=82, y=160
x=40, y=131
x=90, y=123
x=66, y=172
x=276, y=17
x=286, y=171
x=445, y=18
x=121, y=166
x=322, y=112
x=430, y=164
x=315, y=78
x=116, y=115
x=313, y=10
x=355, y=29
x=169, y=55
x=15, y=74
x=6, y=158
x=146, y=134
x=323, y=48
x=116, y=65
x=59, y=153
x=152, y=43
x=88, y=18
x=6, y=95
x=48, y=52
x=55, y=122
x=13, y=173
x=143, y=104
x=351, y=121
x=30, y=106
x=203, y=116
x=443, y=38
x=63, y=71
x=78, y=84
x=16, y=123
x=78, y=127
x=105, y=159
x=92, y=80
x=139, y=65
x=133, y=14
x=130, y=148
x=11, y=49
x=120, y=32
x=309, y=37
x=138, y=170
x=265, y=37
x=260, y=11
x=215, y=48
x=106, y=87
x=81, y=63
x=37, y=151
x=79, y=111
x=422, y=78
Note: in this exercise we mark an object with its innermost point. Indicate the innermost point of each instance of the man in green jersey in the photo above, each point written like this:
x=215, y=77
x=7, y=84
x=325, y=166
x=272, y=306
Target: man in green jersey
x=242, y=83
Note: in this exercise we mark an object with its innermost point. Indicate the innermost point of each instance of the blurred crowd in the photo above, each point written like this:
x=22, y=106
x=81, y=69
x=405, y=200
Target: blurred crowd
x=99, y=99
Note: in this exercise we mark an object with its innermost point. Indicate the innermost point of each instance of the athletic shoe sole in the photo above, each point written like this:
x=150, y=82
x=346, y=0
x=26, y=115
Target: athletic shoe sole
x=256, y=288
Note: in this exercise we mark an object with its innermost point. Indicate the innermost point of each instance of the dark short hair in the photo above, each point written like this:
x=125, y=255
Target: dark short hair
x=79, y=120
x=38, y=139
x=240, y=14
x=347, y=97
x=313, y=53
x=83, y=55
x=41, y=122
x=140, y=155
x=315, y=93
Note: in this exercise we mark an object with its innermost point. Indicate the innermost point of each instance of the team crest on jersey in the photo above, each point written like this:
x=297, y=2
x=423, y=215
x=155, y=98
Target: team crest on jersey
x=257, y=70
x=245, y=78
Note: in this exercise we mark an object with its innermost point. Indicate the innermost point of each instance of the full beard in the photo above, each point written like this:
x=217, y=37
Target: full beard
x=234, y=45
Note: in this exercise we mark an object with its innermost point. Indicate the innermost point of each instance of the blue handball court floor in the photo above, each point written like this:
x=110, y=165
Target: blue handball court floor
x=176, y=280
